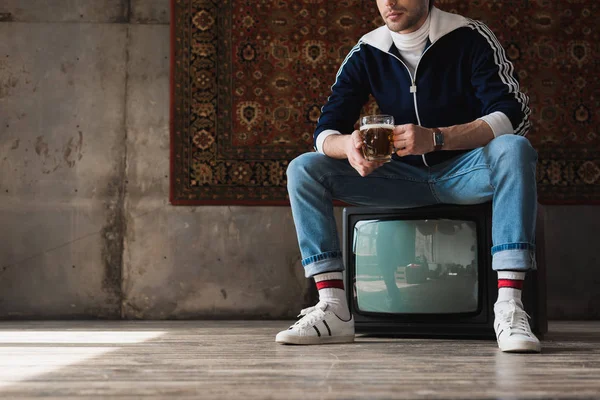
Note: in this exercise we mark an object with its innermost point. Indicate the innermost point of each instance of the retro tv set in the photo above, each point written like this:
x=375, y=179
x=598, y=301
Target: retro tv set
x=428, y=272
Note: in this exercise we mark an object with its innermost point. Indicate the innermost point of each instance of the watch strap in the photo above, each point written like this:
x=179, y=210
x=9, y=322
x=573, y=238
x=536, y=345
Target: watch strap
x=438, y=139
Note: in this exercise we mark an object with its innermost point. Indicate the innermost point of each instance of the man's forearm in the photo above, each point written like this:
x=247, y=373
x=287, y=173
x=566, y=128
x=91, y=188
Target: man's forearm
x=467, y=136
x=458, y=137
x=335, y=146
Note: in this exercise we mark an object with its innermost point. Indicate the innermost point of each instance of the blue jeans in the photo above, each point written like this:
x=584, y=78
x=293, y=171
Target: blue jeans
x=503, y=171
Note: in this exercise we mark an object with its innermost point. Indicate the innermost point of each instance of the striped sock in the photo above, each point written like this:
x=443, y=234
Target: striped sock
x=331, y=291
x=510, y=285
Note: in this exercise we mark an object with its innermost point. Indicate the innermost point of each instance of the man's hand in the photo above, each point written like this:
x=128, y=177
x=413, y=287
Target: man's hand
x=355, y=156
x=412, y=139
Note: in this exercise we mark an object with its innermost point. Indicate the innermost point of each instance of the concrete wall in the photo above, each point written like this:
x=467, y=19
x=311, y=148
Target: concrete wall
x=84, y=155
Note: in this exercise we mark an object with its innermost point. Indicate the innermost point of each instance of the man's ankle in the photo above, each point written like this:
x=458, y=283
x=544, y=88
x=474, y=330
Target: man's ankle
x=331, y=291
x=510, y=285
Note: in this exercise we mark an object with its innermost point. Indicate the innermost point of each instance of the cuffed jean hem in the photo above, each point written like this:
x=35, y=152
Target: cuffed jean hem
x=322, y=266
x=514, y=260
x=320, y=257
x=512, y=246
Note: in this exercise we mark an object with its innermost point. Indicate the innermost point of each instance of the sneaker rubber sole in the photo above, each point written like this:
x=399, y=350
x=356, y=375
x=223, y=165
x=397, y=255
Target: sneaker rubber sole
x=522, y=347
x=307, y=340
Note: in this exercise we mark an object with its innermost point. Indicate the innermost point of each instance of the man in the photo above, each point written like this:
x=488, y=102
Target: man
x=459, y=139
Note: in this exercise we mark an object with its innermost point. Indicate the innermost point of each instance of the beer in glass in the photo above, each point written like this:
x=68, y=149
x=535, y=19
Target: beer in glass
x=376, y=133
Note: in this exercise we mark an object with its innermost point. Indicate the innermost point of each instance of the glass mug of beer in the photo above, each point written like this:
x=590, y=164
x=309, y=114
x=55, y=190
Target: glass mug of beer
x=376, y=134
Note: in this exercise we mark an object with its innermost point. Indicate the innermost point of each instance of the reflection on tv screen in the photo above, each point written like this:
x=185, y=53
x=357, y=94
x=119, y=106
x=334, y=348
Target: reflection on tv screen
x=416, y=266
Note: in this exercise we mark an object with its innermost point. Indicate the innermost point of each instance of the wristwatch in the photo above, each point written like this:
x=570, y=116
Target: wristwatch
x=438, y=139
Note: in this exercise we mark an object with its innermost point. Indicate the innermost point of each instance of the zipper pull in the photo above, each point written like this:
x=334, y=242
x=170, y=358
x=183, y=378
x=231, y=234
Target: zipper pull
x=413, y=88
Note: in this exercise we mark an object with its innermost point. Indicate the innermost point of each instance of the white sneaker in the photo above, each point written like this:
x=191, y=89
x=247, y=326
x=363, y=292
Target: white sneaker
x=318, y=325
x=512, y=328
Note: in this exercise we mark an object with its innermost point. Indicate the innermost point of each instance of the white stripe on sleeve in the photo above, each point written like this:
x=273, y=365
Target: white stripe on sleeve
x=506, y=73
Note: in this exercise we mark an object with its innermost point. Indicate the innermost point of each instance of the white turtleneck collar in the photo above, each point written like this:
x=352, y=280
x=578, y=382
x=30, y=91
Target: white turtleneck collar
x=411, y=45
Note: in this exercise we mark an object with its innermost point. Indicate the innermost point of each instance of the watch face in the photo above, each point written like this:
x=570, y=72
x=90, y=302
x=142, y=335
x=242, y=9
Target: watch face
x=439, y=138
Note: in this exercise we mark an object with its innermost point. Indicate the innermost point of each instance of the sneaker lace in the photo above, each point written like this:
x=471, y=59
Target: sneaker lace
x=311, y=315
x=517, y=319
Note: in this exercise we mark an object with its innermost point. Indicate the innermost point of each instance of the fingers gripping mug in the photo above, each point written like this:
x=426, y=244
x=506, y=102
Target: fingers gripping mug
x=376, y=133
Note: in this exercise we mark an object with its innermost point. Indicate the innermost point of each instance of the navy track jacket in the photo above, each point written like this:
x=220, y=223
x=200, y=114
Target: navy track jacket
x=463, y=74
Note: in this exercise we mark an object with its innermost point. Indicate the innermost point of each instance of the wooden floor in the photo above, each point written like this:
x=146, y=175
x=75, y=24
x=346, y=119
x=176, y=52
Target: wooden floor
x=240, y=360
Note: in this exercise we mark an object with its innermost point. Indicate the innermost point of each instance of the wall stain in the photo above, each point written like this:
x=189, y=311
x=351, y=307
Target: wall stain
x=41, y=147
x=15, y=145
x=8, y=79
x=7, y=83
x=6, y=17
x=267, y=293
x=112, y=236
x=73, y=148
x=71, y=153
x=68, y=68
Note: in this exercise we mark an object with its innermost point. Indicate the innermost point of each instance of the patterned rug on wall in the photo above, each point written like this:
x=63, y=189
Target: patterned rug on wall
x=249, y=79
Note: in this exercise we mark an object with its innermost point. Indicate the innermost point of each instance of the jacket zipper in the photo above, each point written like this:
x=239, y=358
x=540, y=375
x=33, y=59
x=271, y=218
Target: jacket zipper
x=413, y=88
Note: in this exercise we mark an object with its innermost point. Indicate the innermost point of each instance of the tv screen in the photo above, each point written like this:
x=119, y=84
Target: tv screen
x=426, y=271
x=423, y=266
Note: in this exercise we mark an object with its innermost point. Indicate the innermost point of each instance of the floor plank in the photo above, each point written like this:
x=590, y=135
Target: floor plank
x=239, y=359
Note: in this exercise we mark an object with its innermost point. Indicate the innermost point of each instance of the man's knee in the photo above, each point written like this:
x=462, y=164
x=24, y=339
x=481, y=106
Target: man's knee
x=300, y=167
x=513, y=149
